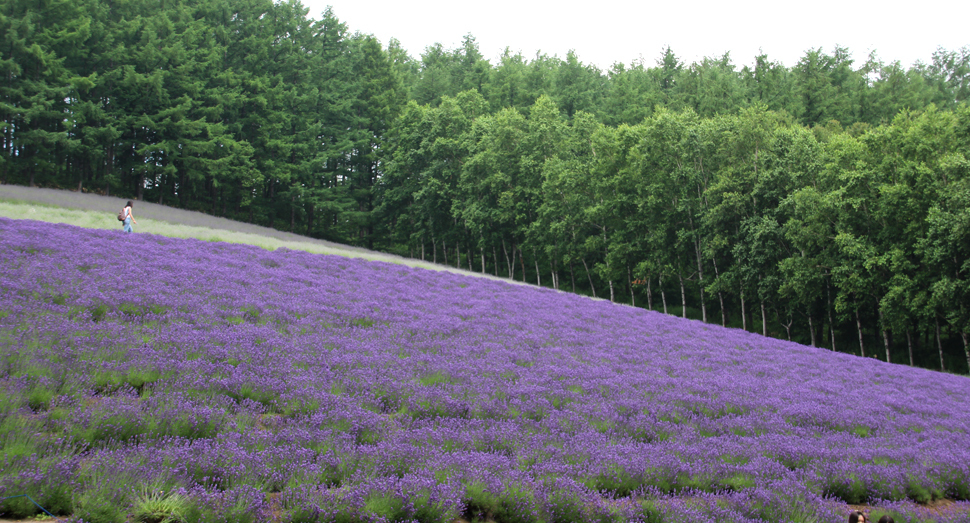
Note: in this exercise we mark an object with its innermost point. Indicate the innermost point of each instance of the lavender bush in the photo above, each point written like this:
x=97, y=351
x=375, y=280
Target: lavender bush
x=238, y=384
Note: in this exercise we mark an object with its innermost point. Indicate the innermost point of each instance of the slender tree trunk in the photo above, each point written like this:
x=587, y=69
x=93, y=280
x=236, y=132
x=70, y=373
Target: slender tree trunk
x=481, y=251
x=508, y=261
x=535, y=258
x=811, y=328
x=720, y=299
x=552, y=272
x=700, y=277
x=939, y=343
x=683, y=296
x=458, y=255
x=572, y=275
x=629, y=278
x=744, y=313
x=663, y=295
x=434, y=249
x=609, y=279
x=522, y=263
x=589, y=276
x=909, y=346
x=720, y=295
x=858, y=324
x=422, y=249
x=885, y=334
x=495, y=259
x=828, y=295
x=444, y=250
x=764, y=320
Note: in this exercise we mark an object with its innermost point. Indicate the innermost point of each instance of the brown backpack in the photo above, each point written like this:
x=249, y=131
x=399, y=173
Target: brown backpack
x=121, y=215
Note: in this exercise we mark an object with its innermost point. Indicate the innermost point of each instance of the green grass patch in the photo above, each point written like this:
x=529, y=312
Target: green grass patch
x=516, y=504
x=40, y=398
x=362, y=322
x=435, y=378
x=107, y=382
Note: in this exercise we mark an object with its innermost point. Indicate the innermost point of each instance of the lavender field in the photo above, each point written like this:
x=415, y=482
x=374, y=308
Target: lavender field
x=146, y=378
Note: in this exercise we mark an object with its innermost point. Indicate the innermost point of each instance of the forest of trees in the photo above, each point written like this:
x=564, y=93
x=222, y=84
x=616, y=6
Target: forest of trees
x=827, y=202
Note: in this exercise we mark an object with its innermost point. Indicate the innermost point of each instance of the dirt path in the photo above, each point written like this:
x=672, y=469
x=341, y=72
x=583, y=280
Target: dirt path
x=111, y=205
x=141, y=209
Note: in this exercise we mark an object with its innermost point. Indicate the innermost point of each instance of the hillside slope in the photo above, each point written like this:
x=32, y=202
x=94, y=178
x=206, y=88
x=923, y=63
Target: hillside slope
x=289, y=386
x=150, y=214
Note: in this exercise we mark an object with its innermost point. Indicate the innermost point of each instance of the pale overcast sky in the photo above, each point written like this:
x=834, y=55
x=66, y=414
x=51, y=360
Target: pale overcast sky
x=608, y=31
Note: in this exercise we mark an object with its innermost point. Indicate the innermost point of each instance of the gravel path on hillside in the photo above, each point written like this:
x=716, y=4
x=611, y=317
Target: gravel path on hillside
x=154, y=211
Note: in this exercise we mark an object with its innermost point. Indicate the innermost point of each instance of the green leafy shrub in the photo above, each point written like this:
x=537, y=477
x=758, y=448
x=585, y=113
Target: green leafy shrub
x=56, y=498
x=93, y=508
x=386, y=506
x=649, y=512
x=567, y=507
x=18, y=508
x=40, y=398
x=98, y=312
x=154, y=505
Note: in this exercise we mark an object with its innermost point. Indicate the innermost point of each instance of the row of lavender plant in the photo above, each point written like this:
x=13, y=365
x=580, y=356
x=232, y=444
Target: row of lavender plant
x=225, y=382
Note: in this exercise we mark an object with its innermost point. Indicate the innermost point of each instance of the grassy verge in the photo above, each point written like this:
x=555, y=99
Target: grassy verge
x=101, y=220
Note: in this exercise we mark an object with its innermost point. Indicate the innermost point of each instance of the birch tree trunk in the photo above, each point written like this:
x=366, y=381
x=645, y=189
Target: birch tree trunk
x=508, y=261
x=744, y=313
x=683, y=296
x=589, y=276
x=909, y=346
x=535, y=258
x=764, y=320
x=828, y=295
x=663, y=295
x=700, y=277
x=629, y=278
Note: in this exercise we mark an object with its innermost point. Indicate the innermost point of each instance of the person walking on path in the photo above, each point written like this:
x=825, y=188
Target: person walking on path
x=129, y=218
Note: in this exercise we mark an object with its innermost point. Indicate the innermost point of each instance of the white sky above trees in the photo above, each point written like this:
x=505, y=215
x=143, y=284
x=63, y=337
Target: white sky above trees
x=608, y=31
